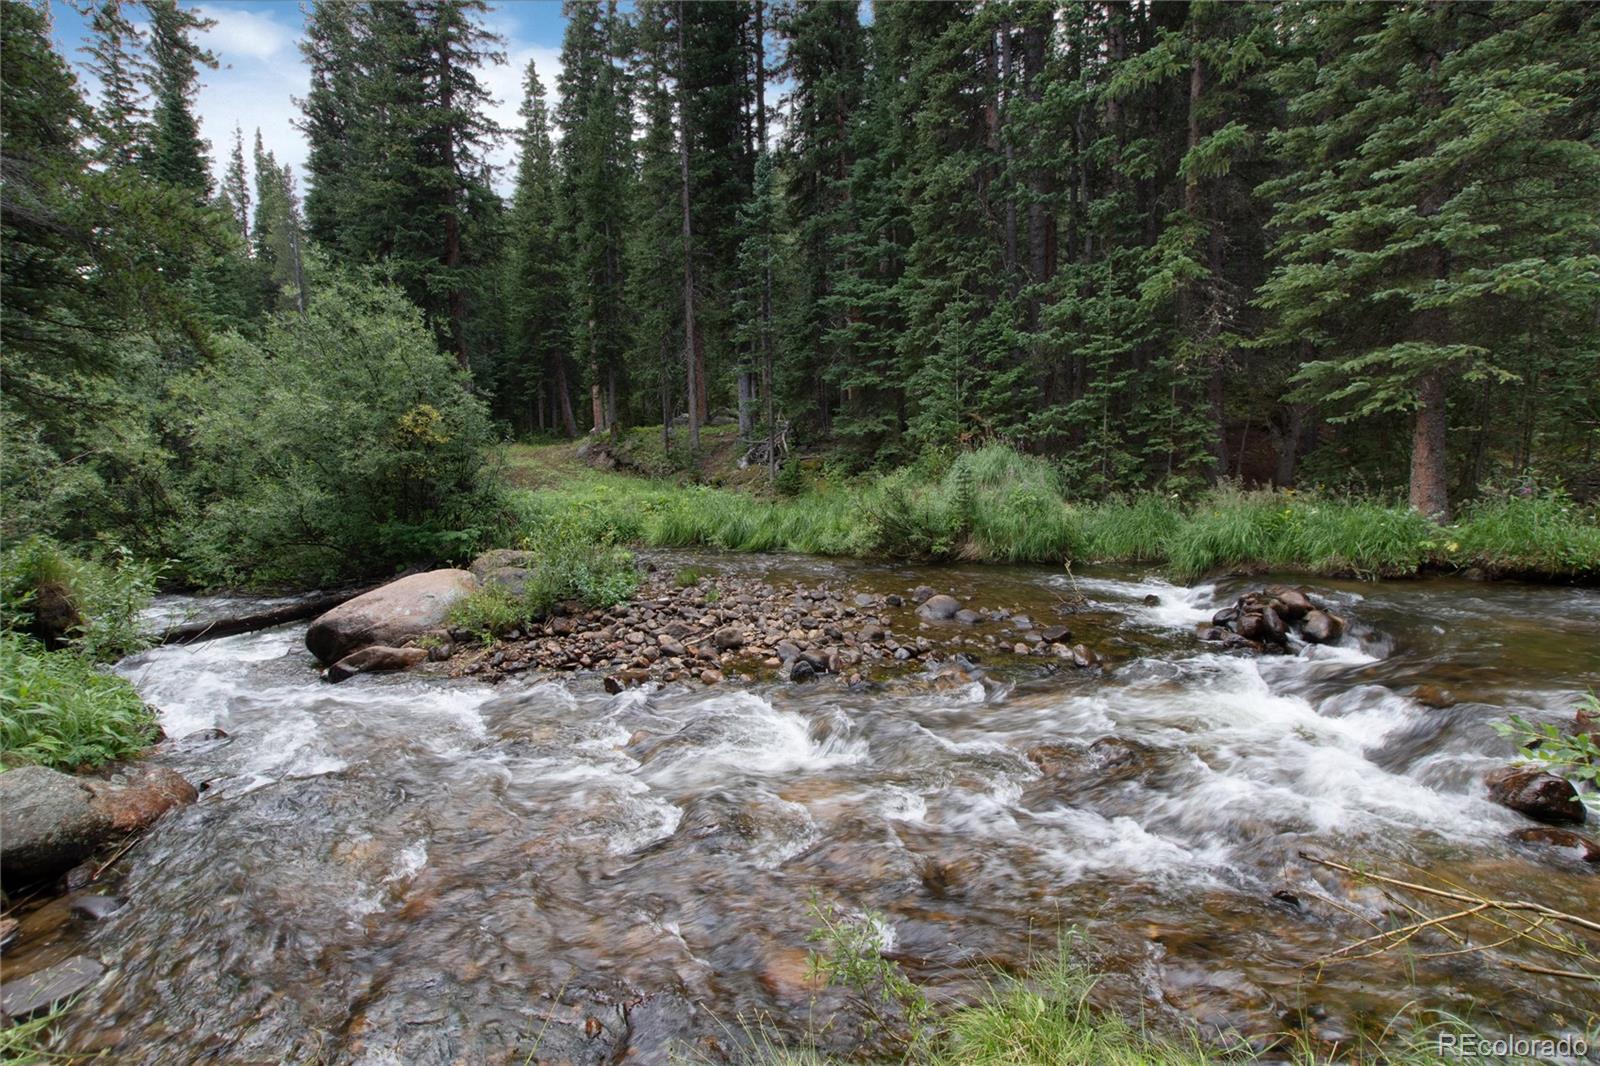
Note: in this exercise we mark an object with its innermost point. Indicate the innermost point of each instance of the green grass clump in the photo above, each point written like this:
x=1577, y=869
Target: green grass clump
x=1547, y=534
x=1046, y=1019
x=59, y=710
x=108, y=593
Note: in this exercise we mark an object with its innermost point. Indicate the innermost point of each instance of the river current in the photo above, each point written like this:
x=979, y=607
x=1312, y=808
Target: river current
x=414, y=869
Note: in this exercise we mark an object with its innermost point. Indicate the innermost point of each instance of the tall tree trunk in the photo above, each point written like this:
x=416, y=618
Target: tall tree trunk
x=1429, y=484
x=564, y=396
x=693, y=349
x=457, y=299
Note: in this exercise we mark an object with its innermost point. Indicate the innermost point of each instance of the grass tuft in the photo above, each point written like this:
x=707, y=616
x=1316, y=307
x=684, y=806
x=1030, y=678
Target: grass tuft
x=59, y=710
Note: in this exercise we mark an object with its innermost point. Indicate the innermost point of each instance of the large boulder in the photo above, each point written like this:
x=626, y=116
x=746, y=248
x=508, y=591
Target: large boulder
x=394, y=614
x=1322, y=627
x=502, y=559
x=1542, y=796
x=50, y=821
x=939, y=608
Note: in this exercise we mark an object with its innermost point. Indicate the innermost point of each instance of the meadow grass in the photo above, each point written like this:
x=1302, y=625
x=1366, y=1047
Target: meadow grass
x=995, y=505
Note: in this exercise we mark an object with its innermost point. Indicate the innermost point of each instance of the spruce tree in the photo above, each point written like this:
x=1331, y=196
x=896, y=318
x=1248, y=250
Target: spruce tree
x=177, y=153
x=116, y=59
x=235, y=195
x=1437, y=226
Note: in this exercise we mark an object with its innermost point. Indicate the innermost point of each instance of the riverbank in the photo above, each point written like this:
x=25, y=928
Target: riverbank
x=994, y=505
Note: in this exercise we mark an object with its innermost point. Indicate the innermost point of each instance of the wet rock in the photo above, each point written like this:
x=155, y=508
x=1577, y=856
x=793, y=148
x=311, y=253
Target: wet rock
x=728, y=638
x=798, y=670
x=38, y=991
x=1056, y=634
x=375, y=659
x=97, y=907
x=1321, y=627
x=398, y=612
x=939, y=608
x=1084, y=657
x=1225, y=617
x=863, y=599
x=8, y=931
x=1291, y=603
x=441, y=651
x=870, y=633
x=711, y=677
x=921, y=594
x=1152, y=600
x=894, y=600
x=968, y=617
x=501, y=559
x=1542, y=796
x=50, y=820
x=1580, y=847
x=1022, y=622
x=1213, y=633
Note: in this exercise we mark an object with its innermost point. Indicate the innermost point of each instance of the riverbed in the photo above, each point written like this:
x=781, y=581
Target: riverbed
x=417, y=869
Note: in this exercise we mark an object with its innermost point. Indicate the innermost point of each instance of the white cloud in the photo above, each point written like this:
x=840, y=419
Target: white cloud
x=240, y=33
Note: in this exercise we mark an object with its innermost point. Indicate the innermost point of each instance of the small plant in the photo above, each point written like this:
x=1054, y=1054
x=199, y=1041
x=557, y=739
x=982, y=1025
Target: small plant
x=791, y=479
x=1575, y=755
x=852, y=958
x=688, y=577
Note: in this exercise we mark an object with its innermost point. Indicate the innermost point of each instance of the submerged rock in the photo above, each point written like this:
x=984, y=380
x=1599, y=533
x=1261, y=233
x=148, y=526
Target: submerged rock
x=38, y=991
x=1542, y=796
x=1581, y=847
x=392, y=615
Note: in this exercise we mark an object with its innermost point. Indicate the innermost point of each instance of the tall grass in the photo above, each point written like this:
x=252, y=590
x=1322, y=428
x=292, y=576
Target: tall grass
x=996, y=505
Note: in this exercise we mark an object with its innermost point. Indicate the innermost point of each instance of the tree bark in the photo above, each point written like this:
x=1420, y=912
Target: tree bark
x=1429, y=478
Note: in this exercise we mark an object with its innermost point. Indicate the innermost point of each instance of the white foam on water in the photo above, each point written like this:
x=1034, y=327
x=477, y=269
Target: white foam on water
x=1180, y=606
x=741, y=733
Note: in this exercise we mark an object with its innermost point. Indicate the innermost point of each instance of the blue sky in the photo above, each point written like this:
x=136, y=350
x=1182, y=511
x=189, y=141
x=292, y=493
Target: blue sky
x=261, y=70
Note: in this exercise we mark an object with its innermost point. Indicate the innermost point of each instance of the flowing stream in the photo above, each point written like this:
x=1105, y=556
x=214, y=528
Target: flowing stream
x=412, y=869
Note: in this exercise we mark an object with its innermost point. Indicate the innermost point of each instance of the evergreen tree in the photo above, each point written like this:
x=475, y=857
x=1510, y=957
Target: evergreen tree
x=1437, y=228
x=115, y=58
x=177, y=153
x=532, y=383
x=235, y=195
x=595, y=155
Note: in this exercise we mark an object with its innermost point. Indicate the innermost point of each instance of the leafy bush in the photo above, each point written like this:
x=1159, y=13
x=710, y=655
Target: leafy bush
x=343, y=441
x=1574, y=755
x=107, y=594
x=58, y=710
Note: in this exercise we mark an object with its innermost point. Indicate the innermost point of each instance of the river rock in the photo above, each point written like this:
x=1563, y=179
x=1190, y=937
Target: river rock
x=1056, y=634
x=727, y=638
x=1581, y=847
x=1292, y=603
x=50, y=820
x=513, y=579
x=37, y=991
x=939, y=608
x=1542, y=796
x=501, y=559
x=1321, y=627
x=968, y=617
x=1084, y=657
x=921, y=594
x=374, y=659
x=394, y=614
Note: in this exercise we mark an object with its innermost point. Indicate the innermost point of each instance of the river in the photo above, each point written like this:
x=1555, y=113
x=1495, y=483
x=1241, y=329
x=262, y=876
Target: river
x=412, y=869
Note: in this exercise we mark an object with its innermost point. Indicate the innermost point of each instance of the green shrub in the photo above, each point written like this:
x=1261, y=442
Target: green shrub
x=342, y=441
x=108, y=594
x=791, y=480
x=58, y=710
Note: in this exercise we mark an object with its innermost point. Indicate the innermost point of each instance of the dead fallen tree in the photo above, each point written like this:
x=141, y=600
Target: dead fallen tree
x=1509, y=922
x=264, y=618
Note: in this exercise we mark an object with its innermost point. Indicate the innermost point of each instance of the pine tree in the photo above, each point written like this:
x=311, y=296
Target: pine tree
x=595, y=154
x=235, y=195
x=328, y=112
x=115, y=58
x=177, y=153
x=1437, y=228
x=532, y=384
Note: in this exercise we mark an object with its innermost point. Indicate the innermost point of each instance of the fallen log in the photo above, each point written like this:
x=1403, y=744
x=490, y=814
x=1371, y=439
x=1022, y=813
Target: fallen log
x=282, y=614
